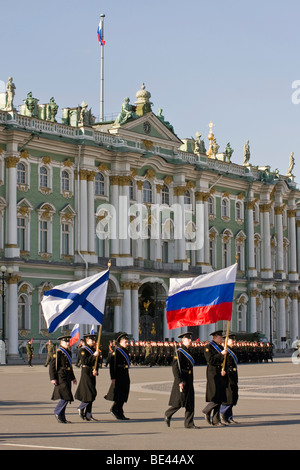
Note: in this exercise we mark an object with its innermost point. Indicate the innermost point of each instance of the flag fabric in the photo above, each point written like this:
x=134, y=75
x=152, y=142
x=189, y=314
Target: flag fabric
x=75, y=334
x=100, y=33
x=80, y=302
x=92, y=332
x=201, y=300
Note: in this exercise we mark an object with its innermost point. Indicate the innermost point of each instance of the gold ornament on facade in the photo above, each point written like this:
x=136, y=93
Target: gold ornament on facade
x=11, y=162
x=133, y=172
x=103, y=167
x=67, y=163
x=150, y=173
x=114, y=180
x=46, y=160
x=140, y=184
x=148, y=144
x=24, y=154
x=168, y=179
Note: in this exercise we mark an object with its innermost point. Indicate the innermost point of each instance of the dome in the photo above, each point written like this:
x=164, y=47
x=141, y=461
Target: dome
x=143, y=96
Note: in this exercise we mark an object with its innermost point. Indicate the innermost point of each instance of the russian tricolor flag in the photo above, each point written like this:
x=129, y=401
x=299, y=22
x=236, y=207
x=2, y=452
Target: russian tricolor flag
x=100, y=33
x=201, y=300
x=75, y=334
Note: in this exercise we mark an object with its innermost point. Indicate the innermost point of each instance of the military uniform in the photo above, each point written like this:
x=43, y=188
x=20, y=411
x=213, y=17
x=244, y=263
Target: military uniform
x=215, y=384
x=182, y=395
x=62, y=375
x=86, y=391
x=29, y=352
x=119, y=373
x=231, y=379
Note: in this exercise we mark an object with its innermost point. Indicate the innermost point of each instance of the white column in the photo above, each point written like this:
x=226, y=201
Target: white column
x=135, y=311
x=266, y=271
x=293, y=274
x=117, y=316
x=114, y=201
x=266, y=314
x=124, y=218
x=91, y=212
x=281, y=331
x=279, y=232
x=83, y=213
x=11, y=245
x=200, y=226
x=295, y=321
x=126, y=307
x=179, y=229
x=250, y=241
x=298, y=244
x=253, y=317
x=12, y=316
x=206, y=234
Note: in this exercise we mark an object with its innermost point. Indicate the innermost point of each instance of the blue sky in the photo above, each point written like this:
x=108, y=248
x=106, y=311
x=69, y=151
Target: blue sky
x=232, y=63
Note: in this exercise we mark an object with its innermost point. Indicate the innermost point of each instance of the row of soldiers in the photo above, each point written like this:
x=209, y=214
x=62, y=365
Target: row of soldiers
x=161, y=353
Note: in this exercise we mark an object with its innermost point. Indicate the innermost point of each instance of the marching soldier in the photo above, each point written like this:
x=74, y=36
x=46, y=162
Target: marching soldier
x=119, y=374
x=231, y=377
x=215, y=385
x=182, y=393
x=61, y=376
x=50, y=351
x=86, y=391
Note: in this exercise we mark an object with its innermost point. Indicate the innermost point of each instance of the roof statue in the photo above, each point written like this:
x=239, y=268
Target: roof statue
x=10, y=91
x=127, y=113
x=228, y=152
x=162, y=119
x=199, y=144
x=211, y=151
x=291, y=165
x=246, y=154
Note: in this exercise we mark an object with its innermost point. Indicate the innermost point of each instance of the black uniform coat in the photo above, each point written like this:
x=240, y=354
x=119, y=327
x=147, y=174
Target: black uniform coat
x=182, y=368
x=215, y=384
x=86, y=390
x=61, y=370
x=231, y=379
x=119, y=365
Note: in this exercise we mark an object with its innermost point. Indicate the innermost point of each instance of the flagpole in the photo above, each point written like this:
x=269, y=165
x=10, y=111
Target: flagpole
x=102, y=73
x=99, y=332
x=228, y=326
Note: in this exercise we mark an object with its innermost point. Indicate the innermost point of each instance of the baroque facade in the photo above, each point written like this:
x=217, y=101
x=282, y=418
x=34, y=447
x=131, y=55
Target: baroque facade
x=76, y=194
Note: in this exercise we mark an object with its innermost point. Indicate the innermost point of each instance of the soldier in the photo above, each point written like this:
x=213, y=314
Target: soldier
x=61, y=376
x=29, y=351
x=86, y=391
x=182, y=394
x=215, y=385
x=231, y=377
x=119, y=374
x=50, y=351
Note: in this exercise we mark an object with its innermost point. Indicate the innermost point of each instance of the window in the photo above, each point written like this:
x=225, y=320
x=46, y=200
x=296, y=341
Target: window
x=43, y=236
x=65, y=181
x=22, y=312
x=165, y=199
x=99, y=184
x=187, y=197
x=21, y=233
x=147, y=192
x=238, y=211
x=43, y=177
x=225, y=208
x=21, y=173
x=65, y=239
x=131, y=190
x=210, y=206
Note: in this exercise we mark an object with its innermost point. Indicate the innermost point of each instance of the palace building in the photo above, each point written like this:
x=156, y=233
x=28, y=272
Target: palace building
x=75, y=194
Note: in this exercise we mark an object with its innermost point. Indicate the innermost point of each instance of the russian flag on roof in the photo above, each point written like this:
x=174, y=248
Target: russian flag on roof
x=201, y=300
x=75, y=334
x=100, y=33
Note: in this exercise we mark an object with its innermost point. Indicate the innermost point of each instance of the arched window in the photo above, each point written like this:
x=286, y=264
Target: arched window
x=43, y=177
x=65, y=181
x=147, y=192
x=187, y=197
x=22, y=312
x=21, y=173
x=165, y=199
x=99, y=184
